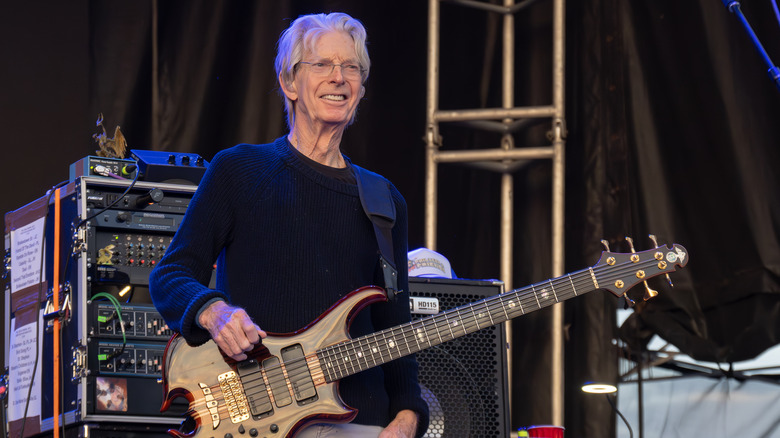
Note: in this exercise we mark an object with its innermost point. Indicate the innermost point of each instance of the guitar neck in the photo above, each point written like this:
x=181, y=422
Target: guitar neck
x=350, y=357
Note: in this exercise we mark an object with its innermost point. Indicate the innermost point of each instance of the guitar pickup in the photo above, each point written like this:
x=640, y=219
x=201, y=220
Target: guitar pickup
x=254, y=387
x=298, y=373
x=277, y=381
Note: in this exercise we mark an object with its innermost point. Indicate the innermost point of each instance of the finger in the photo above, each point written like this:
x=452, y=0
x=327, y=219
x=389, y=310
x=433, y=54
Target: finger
x=243, y=342
x=239, y=357
x=234, y=340
x=250, y=331
x=239, y=346
x=261, y=332
x=235, y=351
x=227, y=343
x=236, y=328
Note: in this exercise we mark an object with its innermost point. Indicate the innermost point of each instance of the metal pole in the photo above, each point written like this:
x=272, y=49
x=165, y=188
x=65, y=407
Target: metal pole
x=507, y=180
x=432, y=132
x=495, y=113
x=558, y=207
x=508, y=114
x=504, y=154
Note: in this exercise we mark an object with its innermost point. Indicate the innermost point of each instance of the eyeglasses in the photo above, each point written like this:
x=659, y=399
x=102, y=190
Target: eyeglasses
x=349, y=71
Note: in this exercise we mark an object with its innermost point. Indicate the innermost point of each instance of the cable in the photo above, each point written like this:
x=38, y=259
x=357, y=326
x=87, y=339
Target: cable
x=611, y=403
x=103, y=171
x=62, y=392
x=777, y=12
x=120, y=197
x=37, y=304
x=118, y=309
x=65, y=275
x=66, y=270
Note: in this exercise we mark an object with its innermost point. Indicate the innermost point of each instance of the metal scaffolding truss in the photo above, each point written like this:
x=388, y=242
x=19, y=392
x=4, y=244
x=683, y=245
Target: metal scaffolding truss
x=506, y=119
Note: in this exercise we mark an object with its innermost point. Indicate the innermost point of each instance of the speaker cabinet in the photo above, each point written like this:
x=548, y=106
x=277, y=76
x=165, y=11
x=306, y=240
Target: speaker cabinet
x=464, y=381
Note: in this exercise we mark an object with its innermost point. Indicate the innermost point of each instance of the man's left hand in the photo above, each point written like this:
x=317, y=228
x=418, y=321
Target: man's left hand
x=403, y=426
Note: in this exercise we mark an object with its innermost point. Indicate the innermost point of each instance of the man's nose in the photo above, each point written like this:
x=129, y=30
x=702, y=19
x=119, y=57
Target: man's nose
x=337, y=73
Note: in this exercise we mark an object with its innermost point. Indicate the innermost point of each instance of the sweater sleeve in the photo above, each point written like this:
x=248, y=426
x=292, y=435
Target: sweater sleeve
x=401, y=375
x=179, y=283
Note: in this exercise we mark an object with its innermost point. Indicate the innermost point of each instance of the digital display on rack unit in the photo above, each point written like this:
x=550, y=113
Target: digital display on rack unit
x=164, y=221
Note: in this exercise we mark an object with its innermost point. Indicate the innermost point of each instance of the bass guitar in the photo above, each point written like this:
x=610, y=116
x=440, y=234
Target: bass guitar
x=290, y=380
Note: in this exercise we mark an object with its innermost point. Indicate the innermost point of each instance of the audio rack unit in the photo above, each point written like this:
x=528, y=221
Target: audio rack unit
x=111, y=235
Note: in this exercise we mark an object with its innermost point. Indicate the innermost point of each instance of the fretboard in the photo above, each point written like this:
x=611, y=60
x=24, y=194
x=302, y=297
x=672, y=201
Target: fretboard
x=350, y=357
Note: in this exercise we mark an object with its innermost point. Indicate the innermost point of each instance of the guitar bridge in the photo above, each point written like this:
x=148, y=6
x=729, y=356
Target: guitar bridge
x=233, y=393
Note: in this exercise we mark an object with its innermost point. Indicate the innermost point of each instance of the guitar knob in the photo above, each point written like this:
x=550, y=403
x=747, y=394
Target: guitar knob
x=253, y=431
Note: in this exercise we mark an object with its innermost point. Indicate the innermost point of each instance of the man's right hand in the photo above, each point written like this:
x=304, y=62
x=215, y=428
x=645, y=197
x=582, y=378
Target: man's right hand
x=231, y=328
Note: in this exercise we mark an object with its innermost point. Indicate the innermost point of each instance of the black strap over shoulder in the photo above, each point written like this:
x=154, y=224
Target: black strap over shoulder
x=378, y=205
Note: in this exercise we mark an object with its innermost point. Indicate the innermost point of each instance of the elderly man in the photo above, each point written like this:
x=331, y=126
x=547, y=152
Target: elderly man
x=284, y=223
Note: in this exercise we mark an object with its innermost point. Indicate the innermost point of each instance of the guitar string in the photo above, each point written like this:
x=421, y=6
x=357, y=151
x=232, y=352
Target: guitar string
x=274, y=375
x=490, y=305
x=400, y=334
x=524, y=296
x=401, y=345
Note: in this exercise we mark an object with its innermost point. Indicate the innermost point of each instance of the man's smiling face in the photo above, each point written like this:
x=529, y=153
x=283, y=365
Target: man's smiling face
x=331, y=98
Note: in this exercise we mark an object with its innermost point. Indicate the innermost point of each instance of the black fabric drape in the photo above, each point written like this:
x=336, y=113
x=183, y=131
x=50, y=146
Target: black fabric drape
x=598, y=201
x=704, y=121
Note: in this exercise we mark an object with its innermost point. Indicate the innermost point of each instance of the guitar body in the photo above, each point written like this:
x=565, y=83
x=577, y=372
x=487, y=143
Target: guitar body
x=286, y=401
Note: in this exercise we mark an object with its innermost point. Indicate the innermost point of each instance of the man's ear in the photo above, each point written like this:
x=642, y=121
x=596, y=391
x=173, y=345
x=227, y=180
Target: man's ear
x=362, y=91
x=288, y=89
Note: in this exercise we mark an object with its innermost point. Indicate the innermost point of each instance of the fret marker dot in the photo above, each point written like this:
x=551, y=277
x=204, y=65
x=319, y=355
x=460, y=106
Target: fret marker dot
x=392, y=344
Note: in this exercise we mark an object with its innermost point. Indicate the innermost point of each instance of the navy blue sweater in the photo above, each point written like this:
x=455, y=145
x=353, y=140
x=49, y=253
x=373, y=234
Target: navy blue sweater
x=289, y=242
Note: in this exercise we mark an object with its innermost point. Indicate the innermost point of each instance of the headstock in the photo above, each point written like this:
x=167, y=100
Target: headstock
x=619, y=272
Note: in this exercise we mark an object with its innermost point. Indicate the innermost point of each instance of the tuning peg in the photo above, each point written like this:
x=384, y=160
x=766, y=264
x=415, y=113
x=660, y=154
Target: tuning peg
x=629, y=301
x=655, y=242
x=649, y=293
x=630, y=244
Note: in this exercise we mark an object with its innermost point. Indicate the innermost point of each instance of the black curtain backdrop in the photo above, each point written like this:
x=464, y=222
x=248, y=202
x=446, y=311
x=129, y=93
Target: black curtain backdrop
x=672, y=130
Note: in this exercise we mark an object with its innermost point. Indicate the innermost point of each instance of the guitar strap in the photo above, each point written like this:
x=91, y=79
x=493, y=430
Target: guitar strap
x=378, y=205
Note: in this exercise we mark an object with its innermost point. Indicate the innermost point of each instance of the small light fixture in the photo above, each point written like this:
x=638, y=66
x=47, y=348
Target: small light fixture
x=599, y=388
x=607, y=389
x=125, y=290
